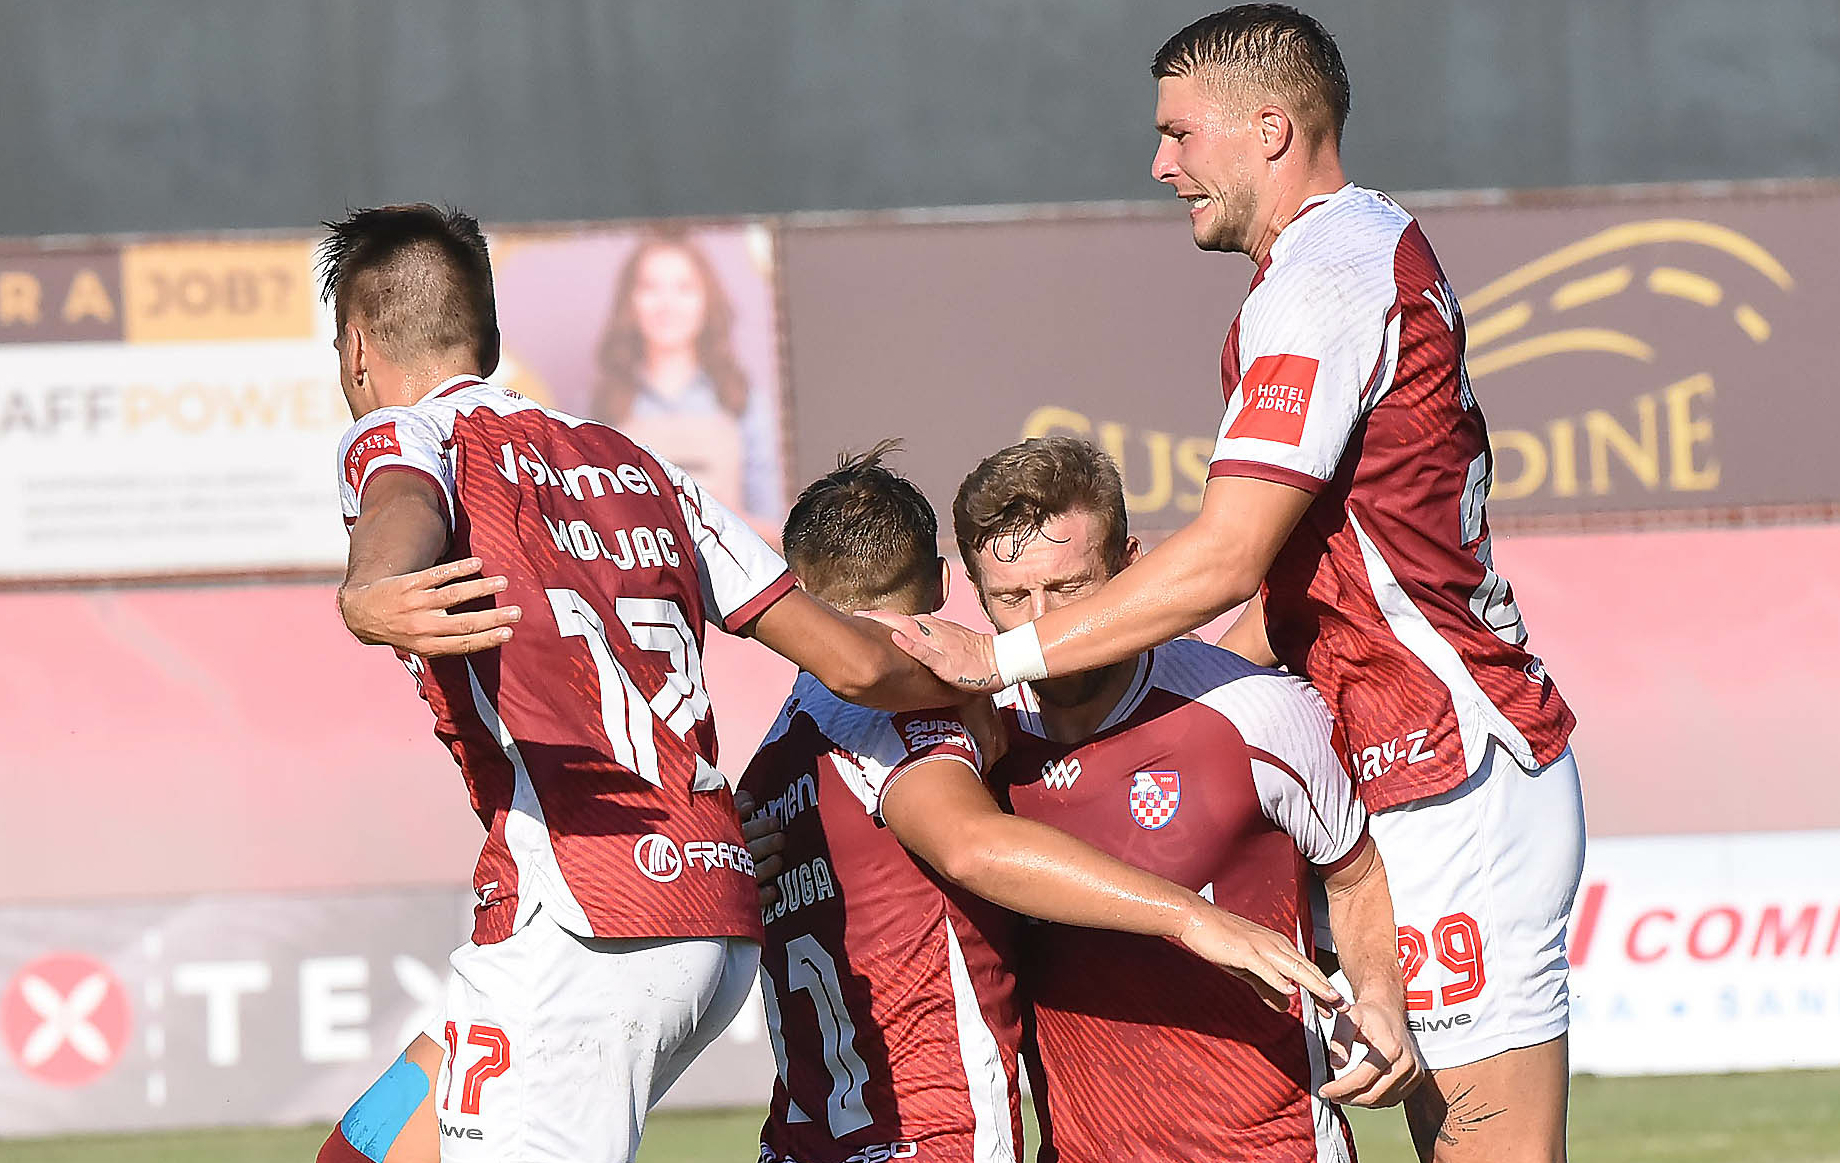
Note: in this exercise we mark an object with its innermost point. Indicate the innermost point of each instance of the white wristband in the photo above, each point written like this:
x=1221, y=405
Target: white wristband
x=1019, y=657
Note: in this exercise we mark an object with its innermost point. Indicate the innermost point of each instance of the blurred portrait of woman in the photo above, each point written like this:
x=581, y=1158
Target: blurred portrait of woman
x=669, y=377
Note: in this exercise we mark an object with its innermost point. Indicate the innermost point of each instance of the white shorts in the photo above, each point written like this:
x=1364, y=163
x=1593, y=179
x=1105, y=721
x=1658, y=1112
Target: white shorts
x=1483, y=878
x=558, y=1045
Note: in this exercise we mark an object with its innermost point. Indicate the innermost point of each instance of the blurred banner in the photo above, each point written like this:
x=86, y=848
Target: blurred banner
x=1707, y=954
x=1632, y=356
x=172, y=408
x=247, y=1009
x=166, y=408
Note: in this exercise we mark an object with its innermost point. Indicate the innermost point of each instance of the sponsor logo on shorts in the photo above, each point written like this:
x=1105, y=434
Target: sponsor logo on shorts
x=658, y=858
x=1275, y=399
x=450, y=1131
x=1433, y=1025
x=1155, y=796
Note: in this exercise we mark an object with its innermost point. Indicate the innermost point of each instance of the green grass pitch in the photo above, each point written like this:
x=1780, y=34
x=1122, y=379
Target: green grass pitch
x=1784, y=1118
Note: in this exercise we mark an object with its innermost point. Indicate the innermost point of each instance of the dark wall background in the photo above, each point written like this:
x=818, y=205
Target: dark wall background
x=191, y=114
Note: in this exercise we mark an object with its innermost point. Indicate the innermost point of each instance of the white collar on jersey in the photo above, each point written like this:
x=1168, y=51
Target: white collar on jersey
x=1308, y=204
x=450, y=382
x=1028, y=703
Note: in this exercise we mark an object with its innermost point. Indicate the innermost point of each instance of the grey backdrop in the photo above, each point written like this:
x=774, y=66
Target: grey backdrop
x=195, y=114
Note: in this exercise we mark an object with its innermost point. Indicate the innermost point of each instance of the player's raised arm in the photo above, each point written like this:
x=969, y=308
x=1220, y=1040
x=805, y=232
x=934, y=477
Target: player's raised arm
x=941, y=812
x=853, y=657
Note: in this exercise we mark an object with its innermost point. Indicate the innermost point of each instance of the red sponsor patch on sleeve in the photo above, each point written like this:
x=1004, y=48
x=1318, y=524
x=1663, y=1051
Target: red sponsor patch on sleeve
x=1276, y=393
x=940, y=732
x=379, y=441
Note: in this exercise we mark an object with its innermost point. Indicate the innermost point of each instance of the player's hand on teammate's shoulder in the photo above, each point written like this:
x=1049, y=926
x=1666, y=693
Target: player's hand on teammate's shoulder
x=1258, y=956
x=413, y=611
x=765, y=843
x=1391, y=1068
x=960, y=656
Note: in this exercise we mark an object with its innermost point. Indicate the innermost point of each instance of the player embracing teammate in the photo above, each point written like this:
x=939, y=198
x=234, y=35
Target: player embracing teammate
x=616, y=931
x=1347, y=492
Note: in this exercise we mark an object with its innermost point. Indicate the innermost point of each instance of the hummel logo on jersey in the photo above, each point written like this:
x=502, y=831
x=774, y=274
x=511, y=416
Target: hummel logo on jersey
x=1059, y=774
x=658, y=858
x=1275, y=399
x=627, y=478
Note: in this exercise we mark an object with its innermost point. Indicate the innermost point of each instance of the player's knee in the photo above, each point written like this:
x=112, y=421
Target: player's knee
x=370, y=1128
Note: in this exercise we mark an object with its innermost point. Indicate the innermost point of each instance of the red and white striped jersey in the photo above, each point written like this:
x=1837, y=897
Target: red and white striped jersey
x=586, y=741
x=1344, y=377
x=1222, y=777
x=889, y=998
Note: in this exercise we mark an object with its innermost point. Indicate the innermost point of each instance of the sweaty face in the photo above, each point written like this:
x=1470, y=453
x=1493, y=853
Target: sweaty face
x=669, y=300
x=1020, y=578
x=1208, y=154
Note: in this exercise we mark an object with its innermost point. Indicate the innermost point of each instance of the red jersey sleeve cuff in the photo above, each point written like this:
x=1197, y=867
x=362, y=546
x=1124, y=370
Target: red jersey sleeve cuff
x=447, y=512
x=963, y=756
x=1349, y=857
x=1259, y=470
x=758, y=604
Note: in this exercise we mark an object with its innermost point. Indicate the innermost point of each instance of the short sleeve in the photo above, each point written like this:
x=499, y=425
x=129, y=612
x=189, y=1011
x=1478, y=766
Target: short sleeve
x=1310, y=347
x=394, y=440
x=741, y=574
x=873, y=749
x=1301, y=783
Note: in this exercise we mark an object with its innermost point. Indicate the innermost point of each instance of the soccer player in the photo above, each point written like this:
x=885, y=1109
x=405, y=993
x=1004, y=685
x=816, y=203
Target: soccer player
x=1348, y=488
x=617, y=926
x=887, y=962
x=1196, y=765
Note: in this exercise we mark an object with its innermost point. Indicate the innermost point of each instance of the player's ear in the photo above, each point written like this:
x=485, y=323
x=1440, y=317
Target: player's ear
x=945, y=585
x=353, y=350
x=1133, y=549
x=1275, y=131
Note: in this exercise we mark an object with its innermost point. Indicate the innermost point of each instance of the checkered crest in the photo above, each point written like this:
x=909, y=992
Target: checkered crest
x=1155, y=795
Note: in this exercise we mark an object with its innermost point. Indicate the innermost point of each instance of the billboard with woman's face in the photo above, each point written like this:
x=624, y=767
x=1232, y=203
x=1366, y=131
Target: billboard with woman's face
x=667, y=333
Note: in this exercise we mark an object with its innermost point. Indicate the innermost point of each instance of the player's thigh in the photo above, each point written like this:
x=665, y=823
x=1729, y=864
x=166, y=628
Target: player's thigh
x=560, y=1041
x=1483, y=879
x=394, y=1120
x=1510, y=1108
x=740, y=969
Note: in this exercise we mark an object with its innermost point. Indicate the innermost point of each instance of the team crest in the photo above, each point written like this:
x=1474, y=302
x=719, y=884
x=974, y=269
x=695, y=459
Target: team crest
x=1155, y=795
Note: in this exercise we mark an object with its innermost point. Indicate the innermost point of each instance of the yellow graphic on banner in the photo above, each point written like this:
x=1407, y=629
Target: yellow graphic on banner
x=1661, y=440
x=176, y=291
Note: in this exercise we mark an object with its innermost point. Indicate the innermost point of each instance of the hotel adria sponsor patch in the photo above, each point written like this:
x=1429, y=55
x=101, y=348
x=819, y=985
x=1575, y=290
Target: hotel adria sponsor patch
x=1275, y=395
x=379, y=441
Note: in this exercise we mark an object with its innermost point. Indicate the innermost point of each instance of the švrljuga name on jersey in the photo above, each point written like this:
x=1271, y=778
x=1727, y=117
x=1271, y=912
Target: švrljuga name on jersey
x=641, y=547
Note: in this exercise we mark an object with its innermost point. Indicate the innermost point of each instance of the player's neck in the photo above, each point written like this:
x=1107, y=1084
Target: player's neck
x=1322, y=176
x=399, y=387
x=1072, y=708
